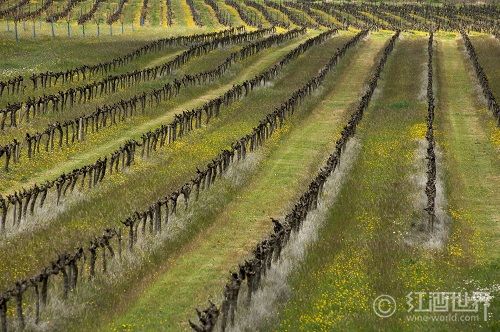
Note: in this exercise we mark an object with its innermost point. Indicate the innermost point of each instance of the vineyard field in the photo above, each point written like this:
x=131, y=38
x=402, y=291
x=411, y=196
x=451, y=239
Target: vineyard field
x=249, y=165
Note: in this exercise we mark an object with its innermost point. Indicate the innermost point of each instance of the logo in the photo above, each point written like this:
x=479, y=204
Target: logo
x=437, y=306
x=384, y=306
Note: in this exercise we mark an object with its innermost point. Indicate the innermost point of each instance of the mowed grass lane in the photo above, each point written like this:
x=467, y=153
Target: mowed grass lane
x=197, y=64
x=233, y=15
x=371, y=247
x=194, y=65
x=182, y=14
x=50, y=165
x=198, y=270
x=303, y=15
x=255, y=14
x=326, y=16
x=471, y=156
x=360, y=250
x=124, y=193
x=60, y=54
x=469, y=141
x=279, y=16
x=146, y=60
x=69, y=112
x=207, y=15
x=154, y=58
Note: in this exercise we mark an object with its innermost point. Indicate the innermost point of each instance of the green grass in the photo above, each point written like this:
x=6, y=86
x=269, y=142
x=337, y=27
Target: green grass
x=47, y=54
x=359, y=248
x=38, y=56
x=471, y=157
x=132, y=11
x=362, y=249
x=277, y=15
x=182, y=14
x=361, y=252
x=245, y=219
x=155, y=15
x=304, y=17
x=232, y=14
x=326, y=16
x=121, y=194
x=109, y=139
x=254, y=13
x=207, y=14
x=148, y=60
x=471, y=163
x=202, y=219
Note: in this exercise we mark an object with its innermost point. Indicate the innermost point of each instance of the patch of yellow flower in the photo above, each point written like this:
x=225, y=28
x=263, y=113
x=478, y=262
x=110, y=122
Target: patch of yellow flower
x=455, y=214
x=369, y=222
x=382, y=149
x=124, y=327
x=495, y=137
x=417, y=131
x=386, y=149
x=466, y=241
x=418, y=274
x=344, y=292
x=163, y=14
x=189, y=21
x=455, y=251
x=478, y=246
